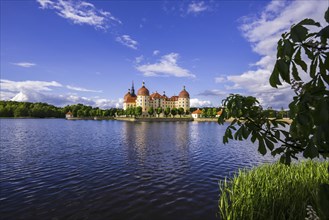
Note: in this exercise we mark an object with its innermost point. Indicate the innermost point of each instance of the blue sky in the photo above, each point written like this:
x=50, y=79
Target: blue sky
x=68, y=52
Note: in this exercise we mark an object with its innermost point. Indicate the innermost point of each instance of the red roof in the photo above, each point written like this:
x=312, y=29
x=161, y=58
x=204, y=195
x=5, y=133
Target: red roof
x=143, y=91
x=198, y=111
x=155, y=96
x=184, y=94
x=130, y=99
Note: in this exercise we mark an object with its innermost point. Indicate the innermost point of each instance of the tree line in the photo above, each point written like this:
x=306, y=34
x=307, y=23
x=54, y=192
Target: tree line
x=152, y=112
x=44, y=110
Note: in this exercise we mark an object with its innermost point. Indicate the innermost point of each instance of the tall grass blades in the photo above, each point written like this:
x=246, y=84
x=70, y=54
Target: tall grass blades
x=273, y=191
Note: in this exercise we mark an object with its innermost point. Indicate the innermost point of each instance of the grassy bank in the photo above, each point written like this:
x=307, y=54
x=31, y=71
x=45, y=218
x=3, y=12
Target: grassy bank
x=273, y=191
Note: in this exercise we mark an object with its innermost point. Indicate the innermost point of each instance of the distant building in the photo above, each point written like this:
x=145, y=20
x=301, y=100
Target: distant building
x=197, y=113
x=69, y=115
x=155, y=100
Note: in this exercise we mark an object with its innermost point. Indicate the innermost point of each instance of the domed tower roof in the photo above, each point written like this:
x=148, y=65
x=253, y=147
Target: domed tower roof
x=143, y=91
x=184, y=94
x=155, y=95
x=127, y=95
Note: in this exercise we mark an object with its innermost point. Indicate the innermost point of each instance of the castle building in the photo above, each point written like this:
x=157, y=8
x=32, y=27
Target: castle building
x=155, y=100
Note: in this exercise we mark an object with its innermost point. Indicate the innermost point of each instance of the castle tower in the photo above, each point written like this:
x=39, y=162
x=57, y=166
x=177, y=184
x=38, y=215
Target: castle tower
x=183, y=100
x=133, y=90
x=143, y=98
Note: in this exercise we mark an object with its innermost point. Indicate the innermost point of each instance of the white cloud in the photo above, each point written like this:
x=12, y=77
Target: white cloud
x=41, y=91
x=156, y=52
x=220, y=79
x=139, y=59
x=80, y=12
x=214, y=92
x=82, y=89
x=5, y=95
x=24, y=64
x=200, y=103
x=196, y=7
x=263, y=32
x=167, y=66
x=62, y=100
x=127, y=41
x=45, y=3
x=17, y=86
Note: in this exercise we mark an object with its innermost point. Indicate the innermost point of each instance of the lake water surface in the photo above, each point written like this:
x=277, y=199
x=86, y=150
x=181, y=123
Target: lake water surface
x=60, y=169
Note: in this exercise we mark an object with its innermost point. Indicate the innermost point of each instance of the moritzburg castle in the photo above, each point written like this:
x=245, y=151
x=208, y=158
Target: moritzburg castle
x=155, y=100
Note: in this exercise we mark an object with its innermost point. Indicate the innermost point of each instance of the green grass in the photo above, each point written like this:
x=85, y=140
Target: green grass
x=273, y=191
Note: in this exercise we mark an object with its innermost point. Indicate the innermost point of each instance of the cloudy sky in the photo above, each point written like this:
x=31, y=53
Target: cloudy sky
x=67, y=52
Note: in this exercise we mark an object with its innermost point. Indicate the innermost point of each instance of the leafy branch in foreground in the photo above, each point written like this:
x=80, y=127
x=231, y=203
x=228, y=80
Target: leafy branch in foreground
x=309, y=110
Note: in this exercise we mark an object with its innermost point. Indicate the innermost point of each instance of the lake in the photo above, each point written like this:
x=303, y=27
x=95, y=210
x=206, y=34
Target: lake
x=61, y=169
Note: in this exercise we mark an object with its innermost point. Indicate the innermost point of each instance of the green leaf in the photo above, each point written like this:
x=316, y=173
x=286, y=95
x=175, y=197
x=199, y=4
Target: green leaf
x=322, y=67
x=228, y=133
x=261, y=146
x=310, y=152
x=314, y=64
x=283, y=68
x=298, y=33
x=295, y=72
x=324, y=33
x=278, y=150
x=274, y=78
x=225, y=140
x=245, y=132
x=299, y=60
x=308, y=21
x=269, y=144
x=277, y=134
x=287, y=48
x=253, y=138
x=238, y=133
x=321, y=112
x=274, y=140
x=279, y=49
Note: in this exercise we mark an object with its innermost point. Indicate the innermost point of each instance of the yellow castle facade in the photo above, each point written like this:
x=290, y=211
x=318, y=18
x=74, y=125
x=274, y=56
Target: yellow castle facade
x=155, y=100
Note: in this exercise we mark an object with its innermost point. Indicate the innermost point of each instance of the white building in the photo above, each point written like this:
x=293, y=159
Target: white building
x=69, y=115
x=155, y=100
x=197, y=113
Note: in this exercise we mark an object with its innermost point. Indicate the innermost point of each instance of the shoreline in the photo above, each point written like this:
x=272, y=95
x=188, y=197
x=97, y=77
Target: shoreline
x=149, y=119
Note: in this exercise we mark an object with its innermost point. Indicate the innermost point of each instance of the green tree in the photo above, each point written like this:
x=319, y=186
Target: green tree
x=187, y=112
x=209, y=112
x=159, y=111
x=80, y=113
x=167, y=111
x=180, y=111
x=21, y=111
x=204, y=113
x=119, y=112
x=151, y=111
x=309, y=110
x=173, y=112
x=138, y=111
x=214, y=112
